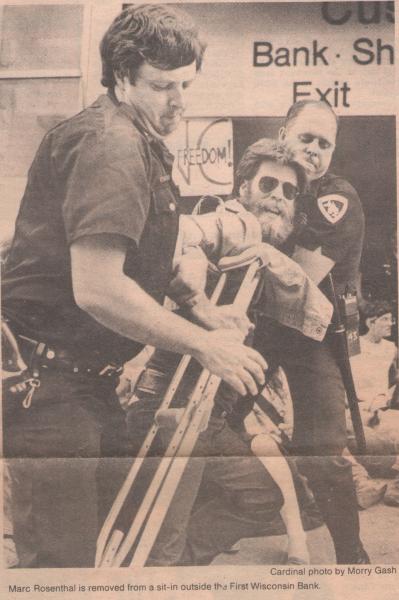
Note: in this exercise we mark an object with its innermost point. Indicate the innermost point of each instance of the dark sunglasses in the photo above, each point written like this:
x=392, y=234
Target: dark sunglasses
x=268, y=184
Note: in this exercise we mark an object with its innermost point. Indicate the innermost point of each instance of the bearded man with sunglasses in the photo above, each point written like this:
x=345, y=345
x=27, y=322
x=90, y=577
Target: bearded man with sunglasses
x=267, y=189
x=328, y=240
x=247, y=500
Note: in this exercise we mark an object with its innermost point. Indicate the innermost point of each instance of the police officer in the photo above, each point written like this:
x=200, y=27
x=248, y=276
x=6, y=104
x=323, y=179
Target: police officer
x=85, y=278
x=329, y=240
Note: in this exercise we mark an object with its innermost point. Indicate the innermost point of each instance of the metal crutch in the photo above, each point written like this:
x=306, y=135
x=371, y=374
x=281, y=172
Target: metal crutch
x=109, y=540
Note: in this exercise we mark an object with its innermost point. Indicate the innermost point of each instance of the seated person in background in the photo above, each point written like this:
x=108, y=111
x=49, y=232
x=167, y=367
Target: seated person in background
x=371, y=367
x=371, y=375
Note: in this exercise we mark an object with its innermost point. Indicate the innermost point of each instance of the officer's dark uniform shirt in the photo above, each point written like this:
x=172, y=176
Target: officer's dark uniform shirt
x=98, y=172
x=334, y=222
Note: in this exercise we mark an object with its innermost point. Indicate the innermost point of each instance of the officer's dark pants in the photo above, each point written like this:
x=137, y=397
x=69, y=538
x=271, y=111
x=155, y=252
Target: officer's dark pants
x=59, y=484
x=319, y=435
x=238, y=496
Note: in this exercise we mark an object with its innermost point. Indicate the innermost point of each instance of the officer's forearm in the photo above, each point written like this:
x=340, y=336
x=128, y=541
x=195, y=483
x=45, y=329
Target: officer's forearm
x=125, y=308
x=102, y=289
x=116, y=301
x=128, y=310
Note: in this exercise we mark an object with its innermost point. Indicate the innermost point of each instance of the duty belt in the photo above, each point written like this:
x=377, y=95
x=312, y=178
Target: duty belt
x=40, y=355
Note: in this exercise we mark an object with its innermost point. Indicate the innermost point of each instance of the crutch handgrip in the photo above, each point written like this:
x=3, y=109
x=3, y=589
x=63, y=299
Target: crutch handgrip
x=168, y=418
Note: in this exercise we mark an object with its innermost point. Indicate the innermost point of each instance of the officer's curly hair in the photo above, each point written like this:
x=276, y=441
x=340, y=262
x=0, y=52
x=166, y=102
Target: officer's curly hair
x=266, y=149
x=164, y=37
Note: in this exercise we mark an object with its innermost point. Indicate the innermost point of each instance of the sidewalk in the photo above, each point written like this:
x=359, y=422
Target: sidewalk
x=379, y=527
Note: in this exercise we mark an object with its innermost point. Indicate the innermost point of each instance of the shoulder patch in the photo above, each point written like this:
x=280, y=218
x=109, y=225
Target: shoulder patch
x=333, y=207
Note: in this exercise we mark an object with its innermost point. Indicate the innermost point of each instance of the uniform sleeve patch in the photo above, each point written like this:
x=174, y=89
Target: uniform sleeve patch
x=333, y=207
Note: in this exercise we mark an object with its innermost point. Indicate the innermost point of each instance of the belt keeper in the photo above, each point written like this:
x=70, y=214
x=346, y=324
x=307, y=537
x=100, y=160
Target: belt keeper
x=39, y=351
x=37, y=354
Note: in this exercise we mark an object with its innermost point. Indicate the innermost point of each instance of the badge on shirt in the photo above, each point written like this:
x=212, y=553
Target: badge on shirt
x=333, y=207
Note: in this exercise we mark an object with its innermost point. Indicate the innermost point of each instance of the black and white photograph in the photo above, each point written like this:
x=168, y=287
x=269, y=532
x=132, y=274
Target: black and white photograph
x=200, y=375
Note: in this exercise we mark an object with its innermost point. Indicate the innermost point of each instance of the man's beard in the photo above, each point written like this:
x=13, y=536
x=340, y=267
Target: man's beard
x=276, y=229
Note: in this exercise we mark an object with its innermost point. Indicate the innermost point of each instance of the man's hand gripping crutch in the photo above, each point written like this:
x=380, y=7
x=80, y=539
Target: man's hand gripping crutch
x=113, y=544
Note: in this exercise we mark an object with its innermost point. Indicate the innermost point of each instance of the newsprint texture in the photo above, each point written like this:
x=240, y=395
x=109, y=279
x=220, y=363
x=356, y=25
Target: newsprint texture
x=199, y=300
